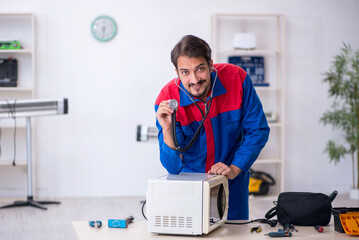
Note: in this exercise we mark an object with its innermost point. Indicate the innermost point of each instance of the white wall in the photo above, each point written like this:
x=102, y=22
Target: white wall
x=112, y=88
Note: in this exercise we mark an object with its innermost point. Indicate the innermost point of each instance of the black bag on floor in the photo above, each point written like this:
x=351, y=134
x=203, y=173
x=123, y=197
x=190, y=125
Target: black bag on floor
x=303, y=208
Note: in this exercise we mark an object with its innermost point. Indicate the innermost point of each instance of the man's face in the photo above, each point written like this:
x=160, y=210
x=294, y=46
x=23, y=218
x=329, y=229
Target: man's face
x=195, y=75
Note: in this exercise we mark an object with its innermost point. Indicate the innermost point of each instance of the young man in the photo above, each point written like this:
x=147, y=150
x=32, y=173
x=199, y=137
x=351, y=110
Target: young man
x=234, y=132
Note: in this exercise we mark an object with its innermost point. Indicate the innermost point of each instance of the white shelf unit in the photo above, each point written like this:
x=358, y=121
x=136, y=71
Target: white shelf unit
x=21, y=27
x=270, y=38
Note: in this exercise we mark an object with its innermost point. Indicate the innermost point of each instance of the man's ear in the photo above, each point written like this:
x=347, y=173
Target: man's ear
x=210, y=65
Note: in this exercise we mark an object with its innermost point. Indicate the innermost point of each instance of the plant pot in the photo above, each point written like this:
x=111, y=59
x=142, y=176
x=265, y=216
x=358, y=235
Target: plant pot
x=354, y=194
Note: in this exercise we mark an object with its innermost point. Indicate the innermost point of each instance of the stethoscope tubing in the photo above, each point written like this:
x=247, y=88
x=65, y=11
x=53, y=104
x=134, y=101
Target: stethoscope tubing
x=204, y=116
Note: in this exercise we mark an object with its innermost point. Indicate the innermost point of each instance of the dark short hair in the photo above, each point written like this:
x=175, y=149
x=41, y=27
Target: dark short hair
x=191, y=46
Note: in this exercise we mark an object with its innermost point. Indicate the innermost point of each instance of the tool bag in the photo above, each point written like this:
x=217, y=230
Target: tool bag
x=259, y=182
x=303, y=208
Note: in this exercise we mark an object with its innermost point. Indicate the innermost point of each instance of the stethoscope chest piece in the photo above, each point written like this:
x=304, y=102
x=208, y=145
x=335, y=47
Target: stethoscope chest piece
x=173, y=104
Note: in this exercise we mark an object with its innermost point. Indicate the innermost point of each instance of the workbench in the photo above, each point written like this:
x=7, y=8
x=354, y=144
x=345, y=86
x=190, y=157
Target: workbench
x=138, y=230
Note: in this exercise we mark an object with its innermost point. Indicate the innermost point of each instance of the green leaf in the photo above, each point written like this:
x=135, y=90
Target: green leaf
x=343, y=80
x=335, y=152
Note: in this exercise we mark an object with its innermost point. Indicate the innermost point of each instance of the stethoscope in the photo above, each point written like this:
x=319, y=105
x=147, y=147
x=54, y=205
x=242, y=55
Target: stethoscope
x=174, y=105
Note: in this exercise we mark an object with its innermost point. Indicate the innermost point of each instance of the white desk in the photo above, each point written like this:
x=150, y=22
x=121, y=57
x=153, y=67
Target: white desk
x=138, y=230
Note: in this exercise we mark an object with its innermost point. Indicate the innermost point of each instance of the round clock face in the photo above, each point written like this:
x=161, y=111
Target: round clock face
x=104, y=28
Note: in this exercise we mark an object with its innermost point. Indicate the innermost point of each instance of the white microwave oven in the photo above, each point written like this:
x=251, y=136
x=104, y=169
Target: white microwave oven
x=186, y=204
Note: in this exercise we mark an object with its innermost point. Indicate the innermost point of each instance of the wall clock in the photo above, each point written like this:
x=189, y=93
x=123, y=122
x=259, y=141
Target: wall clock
x=104, y=28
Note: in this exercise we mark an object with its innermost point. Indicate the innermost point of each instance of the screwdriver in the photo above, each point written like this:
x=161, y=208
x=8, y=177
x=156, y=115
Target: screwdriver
x=319, y=228
x=279, y=234
x=256, y=229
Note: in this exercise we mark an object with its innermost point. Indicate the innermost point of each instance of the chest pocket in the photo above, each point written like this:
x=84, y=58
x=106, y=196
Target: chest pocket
x=196, y=155
x=189, y=131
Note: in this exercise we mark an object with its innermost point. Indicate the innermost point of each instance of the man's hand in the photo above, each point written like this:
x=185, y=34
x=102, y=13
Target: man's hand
x=222, y=169
x=163, y=115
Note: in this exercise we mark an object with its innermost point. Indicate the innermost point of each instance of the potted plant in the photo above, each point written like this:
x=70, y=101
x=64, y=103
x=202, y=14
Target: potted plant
x=343, y=80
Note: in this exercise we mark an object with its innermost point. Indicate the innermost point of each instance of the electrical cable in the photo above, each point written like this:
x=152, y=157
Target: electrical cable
x=272, y=223
x=143, y=205
x=12, y=115
x=0, y=139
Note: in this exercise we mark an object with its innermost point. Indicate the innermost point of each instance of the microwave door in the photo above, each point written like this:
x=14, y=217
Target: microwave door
x=217, y=203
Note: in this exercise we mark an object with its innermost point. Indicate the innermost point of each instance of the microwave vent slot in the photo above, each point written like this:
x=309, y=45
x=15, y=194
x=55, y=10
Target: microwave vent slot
x=173, y=222
x=189, y=222
x=181, y=222
x=165, y=221
x=158, y=221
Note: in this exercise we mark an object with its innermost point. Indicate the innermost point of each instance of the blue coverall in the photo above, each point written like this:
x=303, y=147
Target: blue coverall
x=234, y=132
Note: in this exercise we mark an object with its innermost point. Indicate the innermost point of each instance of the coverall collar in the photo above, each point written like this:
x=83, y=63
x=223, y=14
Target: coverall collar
x=217, y=91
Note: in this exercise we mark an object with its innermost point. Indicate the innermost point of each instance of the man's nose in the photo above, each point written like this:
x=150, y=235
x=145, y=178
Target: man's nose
x=194, y=78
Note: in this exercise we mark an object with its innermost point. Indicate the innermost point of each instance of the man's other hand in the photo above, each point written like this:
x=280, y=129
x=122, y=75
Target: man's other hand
x=222, y=169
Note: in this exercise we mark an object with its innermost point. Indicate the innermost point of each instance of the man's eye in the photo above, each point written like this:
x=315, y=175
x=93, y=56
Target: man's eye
x=201, y=69
x=184, y=72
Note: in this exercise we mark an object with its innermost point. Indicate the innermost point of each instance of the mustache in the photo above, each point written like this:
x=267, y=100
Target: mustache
x=199, y=82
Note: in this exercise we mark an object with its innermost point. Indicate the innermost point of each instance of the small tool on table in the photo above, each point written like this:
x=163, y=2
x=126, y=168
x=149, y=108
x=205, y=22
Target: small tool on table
x=319, y=229
x=120, y=223
x=285, y=232
x=95, y=224
x=280, y=233
x=256, y=229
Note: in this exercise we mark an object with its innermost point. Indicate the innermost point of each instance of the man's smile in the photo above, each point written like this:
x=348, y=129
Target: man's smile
x=196, y=86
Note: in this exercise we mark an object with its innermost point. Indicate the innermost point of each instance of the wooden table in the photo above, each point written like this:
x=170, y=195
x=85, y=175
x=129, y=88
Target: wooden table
x=138, y=230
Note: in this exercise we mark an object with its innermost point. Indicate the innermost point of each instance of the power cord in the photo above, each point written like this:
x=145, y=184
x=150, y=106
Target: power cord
x=143, y=206
x=12, y=111
x=272, y=223
x=14, y=117
x=0, y=139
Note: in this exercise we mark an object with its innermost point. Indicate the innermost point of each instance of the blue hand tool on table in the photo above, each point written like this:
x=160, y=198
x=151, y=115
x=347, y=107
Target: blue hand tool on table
x=120, y=223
